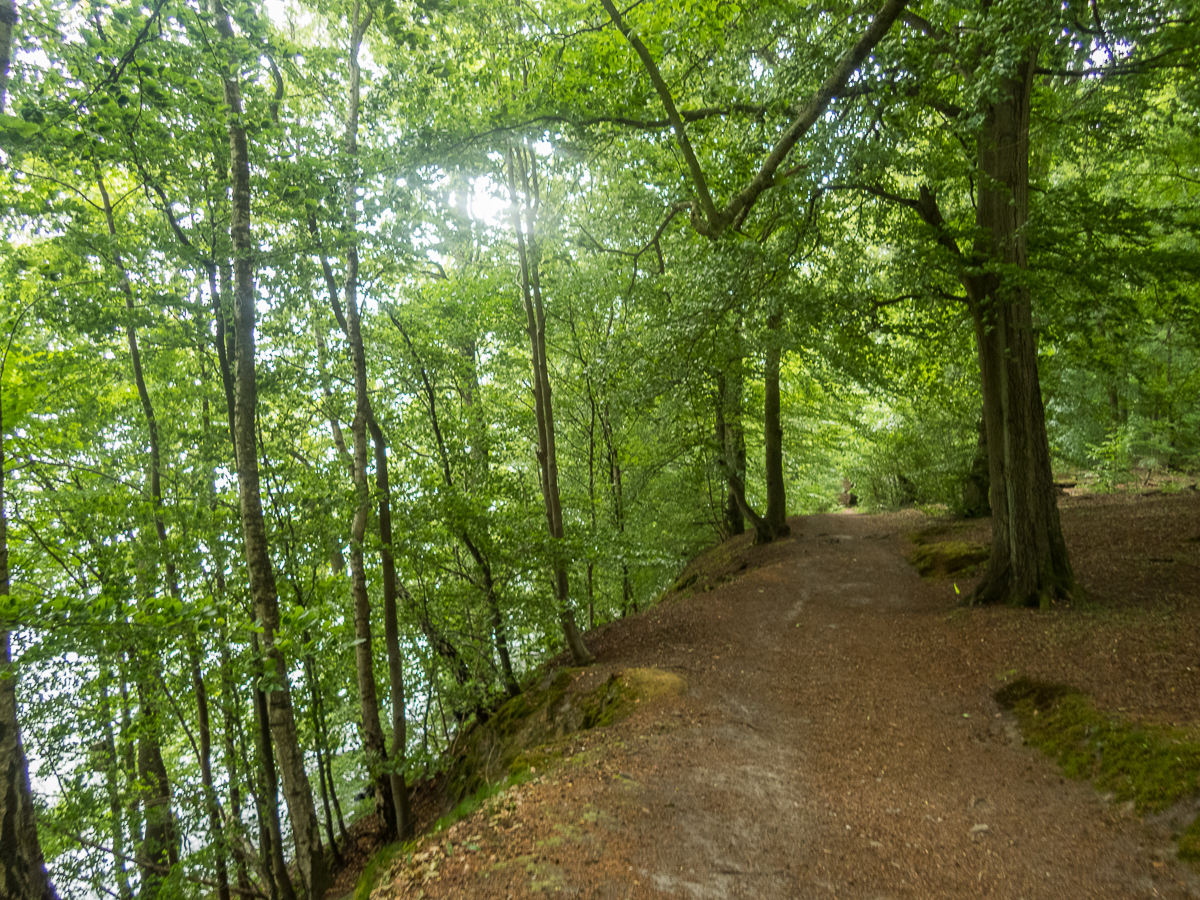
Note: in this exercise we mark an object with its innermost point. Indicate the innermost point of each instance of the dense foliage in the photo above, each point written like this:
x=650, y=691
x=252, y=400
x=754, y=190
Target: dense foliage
x=716, y=250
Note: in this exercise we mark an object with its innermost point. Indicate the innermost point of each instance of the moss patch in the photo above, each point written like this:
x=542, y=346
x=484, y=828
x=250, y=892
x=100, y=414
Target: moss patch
x=523, y=735
x=1154, y=766
x=946, y=558
x=1189, y=843
x=712, y=568
x=376, y=868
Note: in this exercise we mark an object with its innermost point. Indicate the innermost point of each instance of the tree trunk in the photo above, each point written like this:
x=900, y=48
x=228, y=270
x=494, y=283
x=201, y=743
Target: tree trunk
x=731, y=440
x=161, y=844
x=112, y=782
x=270, y=828
x=22, y=866
x=776, y=515
x=617, y=490
x=535, y=319
x=480, y=457
x=975, y=486
x=310, y=855
x=232, y=723
x=1029, y=563
x=211, y=803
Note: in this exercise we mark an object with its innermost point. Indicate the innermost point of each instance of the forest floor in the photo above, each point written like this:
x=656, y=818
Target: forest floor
x=838, y=736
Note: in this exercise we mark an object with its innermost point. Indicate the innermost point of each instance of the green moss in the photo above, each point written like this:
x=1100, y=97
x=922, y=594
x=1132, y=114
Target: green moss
x=376, y=868
x=525, y=733
x=946, y=558
x=1154, y=766
x=1189, y=842
x=469, y=805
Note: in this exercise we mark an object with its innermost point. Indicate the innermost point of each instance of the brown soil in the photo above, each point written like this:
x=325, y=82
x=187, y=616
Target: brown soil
x=838, y=735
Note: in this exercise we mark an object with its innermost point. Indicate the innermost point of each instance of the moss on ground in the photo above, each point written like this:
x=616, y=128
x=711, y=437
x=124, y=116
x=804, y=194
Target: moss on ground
x=526, y=734
x=1154, y=766
x=946, y=558
x=376, y=867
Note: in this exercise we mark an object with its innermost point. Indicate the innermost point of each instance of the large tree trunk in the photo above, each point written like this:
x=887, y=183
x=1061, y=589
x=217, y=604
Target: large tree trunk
x=310, y=855
x=1029, y=563
x=535, y=323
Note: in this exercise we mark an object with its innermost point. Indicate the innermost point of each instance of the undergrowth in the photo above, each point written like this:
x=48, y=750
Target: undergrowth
x=1151, y=765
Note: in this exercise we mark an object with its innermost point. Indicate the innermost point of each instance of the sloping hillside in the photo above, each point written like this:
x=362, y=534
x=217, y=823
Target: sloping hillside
x=822, y=722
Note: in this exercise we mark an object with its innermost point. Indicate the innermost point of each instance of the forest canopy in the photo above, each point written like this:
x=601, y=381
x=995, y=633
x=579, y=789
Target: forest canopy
x=358, y=356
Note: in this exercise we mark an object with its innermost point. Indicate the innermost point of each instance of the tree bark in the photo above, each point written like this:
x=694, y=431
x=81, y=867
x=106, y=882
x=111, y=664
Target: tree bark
x=269, y=827
x=161, y=844
x=1029, y=563
x=776, y=515
x=22, y=865
x=231, y=720
x=731, y=440
x=535, y=323
x=112, y=782
x=310, y=855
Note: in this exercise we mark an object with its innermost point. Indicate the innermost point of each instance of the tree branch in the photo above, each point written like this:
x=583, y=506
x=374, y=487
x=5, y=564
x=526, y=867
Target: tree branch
x=813, y=110
x=664, y=93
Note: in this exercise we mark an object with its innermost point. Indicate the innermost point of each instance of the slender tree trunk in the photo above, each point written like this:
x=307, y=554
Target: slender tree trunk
x=732, y=444
x=270, y=828
x=1029, y=563
x=310, y=855
x=112, y=781
x=211, y=803
x=535, y=318
x=321, y=738
x=128, y=752
x=464, y=535
x=161, y=844
x=232, y=729
x=22, y=865
x=776, y=515
x=322, y=729
x=617, y=489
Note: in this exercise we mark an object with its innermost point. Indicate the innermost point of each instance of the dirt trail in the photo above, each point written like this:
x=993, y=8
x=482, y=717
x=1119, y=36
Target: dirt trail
x=838, y=738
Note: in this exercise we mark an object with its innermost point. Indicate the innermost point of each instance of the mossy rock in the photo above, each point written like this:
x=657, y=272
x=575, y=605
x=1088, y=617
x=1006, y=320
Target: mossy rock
x=947, y=558
x=521, y=736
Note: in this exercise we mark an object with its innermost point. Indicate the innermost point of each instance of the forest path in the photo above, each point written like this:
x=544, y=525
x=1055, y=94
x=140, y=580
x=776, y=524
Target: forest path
x=838, y=738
